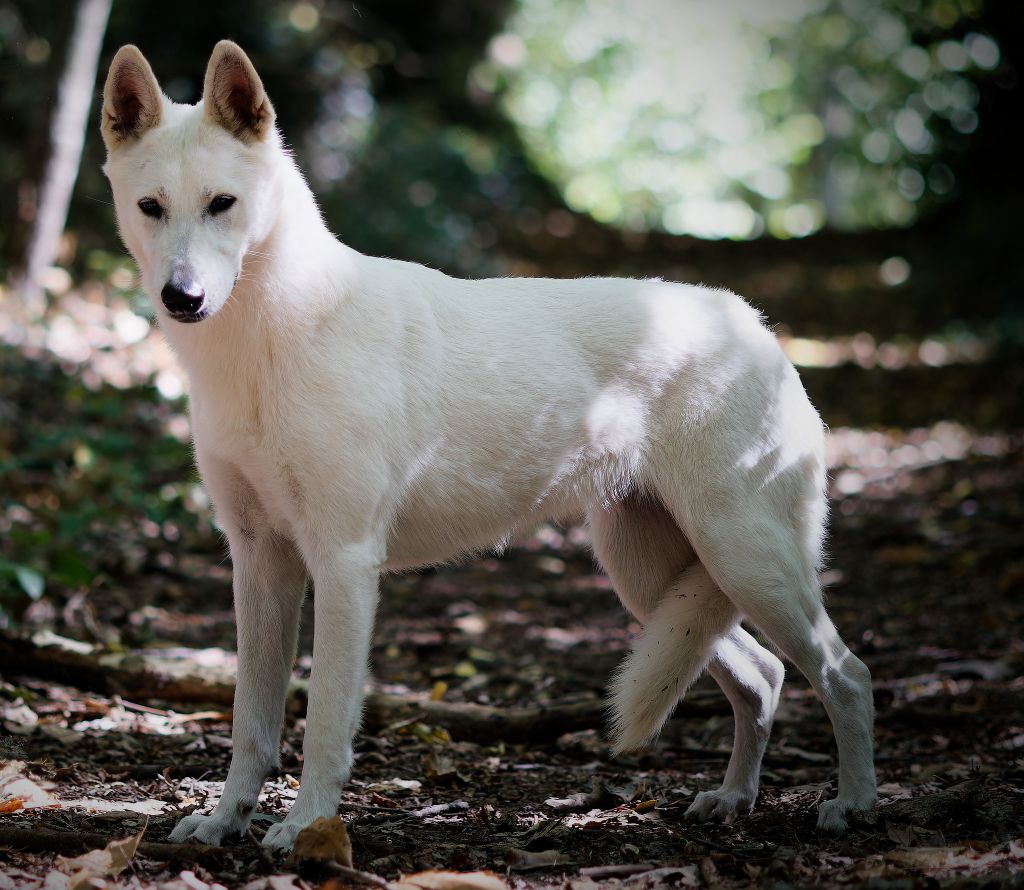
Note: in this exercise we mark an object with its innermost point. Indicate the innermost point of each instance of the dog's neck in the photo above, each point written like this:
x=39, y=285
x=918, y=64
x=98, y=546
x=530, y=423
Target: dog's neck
x=286, y=269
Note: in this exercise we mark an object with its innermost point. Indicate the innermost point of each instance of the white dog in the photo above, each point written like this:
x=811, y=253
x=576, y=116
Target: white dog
x=355, y=415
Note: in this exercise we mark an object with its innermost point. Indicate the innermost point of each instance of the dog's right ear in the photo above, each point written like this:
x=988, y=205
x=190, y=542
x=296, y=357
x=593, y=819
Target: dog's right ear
x=233, y=94
x=132, y=102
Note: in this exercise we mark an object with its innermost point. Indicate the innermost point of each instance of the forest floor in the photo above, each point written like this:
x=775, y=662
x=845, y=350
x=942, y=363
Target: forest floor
x=925, y=580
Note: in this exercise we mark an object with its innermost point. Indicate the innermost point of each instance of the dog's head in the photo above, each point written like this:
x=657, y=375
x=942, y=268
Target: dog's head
x=193, y=185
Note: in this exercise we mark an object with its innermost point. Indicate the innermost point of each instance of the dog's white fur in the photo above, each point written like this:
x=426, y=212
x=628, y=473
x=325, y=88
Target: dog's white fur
x=354, y=415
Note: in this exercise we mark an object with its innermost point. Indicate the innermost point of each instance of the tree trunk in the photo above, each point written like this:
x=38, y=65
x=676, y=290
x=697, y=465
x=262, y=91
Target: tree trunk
x=67, y=134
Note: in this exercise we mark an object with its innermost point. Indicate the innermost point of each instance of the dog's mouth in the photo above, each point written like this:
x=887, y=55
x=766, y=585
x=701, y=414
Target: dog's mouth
x=189, y=317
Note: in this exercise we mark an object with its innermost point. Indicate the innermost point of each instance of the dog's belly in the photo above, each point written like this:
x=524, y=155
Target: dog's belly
x=451, y=514
x=442, y=521
x=479, y=485
x=419, y=540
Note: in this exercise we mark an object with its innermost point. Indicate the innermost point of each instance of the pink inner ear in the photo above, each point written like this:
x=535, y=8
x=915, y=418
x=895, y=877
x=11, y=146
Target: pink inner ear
x=237, y=98
x=231, y=85
x=241, y=97
x=129, y=108
x=232, y=71
x=131, y=94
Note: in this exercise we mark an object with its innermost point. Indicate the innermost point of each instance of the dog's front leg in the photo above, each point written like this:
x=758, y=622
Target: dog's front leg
x=269, y=581
x=345, y=600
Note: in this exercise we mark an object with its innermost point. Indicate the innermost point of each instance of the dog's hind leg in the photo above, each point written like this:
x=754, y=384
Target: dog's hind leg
x=751, y=678
x=805, y=634
x=645, y=554
x=642, y=549
x=758, y=538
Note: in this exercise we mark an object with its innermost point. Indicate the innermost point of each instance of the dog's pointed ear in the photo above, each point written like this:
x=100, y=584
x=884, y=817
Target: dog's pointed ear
x=132, y=102
x=233, y=94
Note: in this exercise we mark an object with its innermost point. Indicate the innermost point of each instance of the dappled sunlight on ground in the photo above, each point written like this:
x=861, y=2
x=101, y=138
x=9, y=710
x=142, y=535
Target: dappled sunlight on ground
x=861, y=349
x=858, y=457
x=100, y=337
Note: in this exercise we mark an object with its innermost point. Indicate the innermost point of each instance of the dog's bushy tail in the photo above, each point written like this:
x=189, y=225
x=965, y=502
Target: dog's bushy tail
x=675, y=645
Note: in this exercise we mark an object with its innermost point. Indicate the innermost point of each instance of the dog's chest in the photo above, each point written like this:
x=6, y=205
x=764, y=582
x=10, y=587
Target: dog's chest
x=274, y=477
x=238, y=439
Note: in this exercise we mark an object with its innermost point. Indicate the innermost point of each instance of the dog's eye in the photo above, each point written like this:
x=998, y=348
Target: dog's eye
x=151, y=208
x=221, y=203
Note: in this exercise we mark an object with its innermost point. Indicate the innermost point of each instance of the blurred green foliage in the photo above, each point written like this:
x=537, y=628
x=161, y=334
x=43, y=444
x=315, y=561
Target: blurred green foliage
x=91, y=481
x=739, y=118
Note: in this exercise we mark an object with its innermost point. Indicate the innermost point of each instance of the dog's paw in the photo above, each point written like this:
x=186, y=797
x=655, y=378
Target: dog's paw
x=832, y=813
x=280, y=837
x=720, y=805
x=211, y=829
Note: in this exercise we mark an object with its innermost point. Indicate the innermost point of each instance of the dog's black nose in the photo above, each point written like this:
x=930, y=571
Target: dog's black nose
x=183, y=299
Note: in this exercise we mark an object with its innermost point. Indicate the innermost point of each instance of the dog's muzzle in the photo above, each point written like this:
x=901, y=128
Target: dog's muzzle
x=184, y=300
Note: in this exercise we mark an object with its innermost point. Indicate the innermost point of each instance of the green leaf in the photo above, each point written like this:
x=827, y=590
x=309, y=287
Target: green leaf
x=31, y=581
x=70, y=569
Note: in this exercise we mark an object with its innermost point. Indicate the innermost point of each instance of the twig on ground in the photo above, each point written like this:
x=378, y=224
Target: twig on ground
x=81, y=666
x=160, y=770
x=957, y=801
x=265, y=855
x=353, y=874
x=71, y=843
x=616, y=871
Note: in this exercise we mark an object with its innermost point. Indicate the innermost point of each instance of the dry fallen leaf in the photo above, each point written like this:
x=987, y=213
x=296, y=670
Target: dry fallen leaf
x=113, y=859
x=673, y=875
x=449, y=880
x=187, y=880
x=12, y=878
x=600, y=797
x=16, y=785
x=19, y=718
x=440, y=768
x=379, y=800
x=396, y=786
x=324, y=840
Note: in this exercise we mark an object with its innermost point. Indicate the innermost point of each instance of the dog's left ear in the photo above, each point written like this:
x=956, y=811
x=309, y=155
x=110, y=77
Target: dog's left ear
x=132, y=102
x=233, y=94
